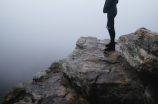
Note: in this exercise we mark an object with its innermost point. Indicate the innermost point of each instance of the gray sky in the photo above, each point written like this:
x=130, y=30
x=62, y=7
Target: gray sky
x=34, y=33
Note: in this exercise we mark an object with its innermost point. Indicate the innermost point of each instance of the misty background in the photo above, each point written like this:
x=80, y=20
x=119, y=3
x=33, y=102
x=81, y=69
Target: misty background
x=34, y=33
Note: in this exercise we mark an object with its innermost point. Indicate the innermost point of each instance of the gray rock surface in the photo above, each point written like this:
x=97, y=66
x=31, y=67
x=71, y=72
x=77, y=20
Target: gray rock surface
x=141, y=50
x=102, y=78
x=52, y=90
x=88, y=76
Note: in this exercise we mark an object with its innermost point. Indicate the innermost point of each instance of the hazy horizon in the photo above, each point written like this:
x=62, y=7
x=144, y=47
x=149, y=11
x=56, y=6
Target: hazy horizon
x=34, y=33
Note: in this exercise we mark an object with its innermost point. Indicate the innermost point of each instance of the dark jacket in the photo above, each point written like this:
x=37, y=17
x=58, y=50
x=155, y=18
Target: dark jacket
x=110, y=6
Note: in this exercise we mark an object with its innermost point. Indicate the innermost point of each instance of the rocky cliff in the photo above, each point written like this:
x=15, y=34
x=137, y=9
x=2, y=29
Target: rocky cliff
x=128, y=75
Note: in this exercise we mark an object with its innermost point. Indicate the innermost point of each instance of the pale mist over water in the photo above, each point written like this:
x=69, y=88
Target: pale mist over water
x=34, y=33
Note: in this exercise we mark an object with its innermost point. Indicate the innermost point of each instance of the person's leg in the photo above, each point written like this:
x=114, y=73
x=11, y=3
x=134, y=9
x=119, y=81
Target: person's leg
x=107, y=45
x=108, y=22
x=111, y=30
x=112, y=34
x=110, y=25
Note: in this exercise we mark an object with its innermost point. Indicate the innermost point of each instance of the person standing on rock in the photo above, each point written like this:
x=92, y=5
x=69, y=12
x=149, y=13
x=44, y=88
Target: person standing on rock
x=111, y=10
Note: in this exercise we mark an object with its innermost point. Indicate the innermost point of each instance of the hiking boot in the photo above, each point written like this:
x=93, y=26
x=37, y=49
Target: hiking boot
x=111, y=47
x=107, y=45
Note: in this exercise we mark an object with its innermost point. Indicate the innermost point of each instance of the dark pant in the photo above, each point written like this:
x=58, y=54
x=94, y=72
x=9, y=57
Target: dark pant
x=110, y=25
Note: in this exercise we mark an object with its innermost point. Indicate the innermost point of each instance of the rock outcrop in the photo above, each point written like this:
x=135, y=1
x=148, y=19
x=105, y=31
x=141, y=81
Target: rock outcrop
x=53, y=89
x=102, y=79
x=88, y=76
x=141, y=50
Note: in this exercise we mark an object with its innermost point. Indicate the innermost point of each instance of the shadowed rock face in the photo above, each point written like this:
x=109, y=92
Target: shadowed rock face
x=88, y=76
x=141, y=50
x=151, y=94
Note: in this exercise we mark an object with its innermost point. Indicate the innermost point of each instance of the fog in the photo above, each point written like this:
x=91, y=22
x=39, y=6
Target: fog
x=34, y=33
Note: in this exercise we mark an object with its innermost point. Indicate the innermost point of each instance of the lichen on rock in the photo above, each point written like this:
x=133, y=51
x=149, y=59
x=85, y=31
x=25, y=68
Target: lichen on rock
x=40, y=76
